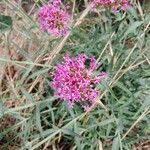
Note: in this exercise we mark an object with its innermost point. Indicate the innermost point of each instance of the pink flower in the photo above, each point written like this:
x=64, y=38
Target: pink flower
x=53, y=19
x=74, y=82
x=115, y=5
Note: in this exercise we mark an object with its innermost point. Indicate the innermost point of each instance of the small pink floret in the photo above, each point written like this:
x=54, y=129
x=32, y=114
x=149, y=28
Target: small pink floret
x=74, y=82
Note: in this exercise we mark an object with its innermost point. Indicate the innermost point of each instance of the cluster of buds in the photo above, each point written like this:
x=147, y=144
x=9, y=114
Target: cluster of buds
x=115, y=5
x=53, y=19
x=74, y=82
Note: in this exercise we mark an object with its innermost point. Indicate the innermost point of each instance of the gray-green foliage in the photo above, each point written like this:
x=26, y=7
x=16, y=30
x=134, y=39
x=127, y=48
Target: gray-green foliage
x=5, y=22
x=121, y=44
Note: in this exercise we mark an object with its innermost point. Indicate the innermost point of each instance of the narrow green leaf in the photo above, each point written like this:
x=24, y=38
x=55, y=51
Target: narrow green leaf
x=115, y=145
x=5, y=22
x=132, y=27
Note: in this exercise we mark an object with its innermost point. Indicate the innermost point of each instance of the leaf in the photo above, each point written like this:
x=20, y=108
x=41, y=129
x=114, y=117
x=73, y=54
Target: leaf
x=5, y=22
x=115, y=145
x=70, y=132
x=39, y=72
x=1, y=109
x=122, y=87
x=102, y=123
x=145, y=104
x=132, y=27
x=38, y=119
x=27, y=95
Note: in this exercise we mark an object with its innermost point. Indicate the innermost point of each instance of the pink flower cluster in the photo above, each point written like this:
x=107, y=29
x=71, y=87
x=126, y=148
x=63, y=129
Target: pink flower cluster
x=53, y=19
x=114, y=4
x=74, y=82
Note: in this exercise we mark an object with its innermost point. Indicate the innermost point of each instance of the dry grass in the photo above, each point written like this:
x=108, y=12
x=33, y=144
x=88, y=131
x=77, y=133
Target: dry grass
x=39, y=122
